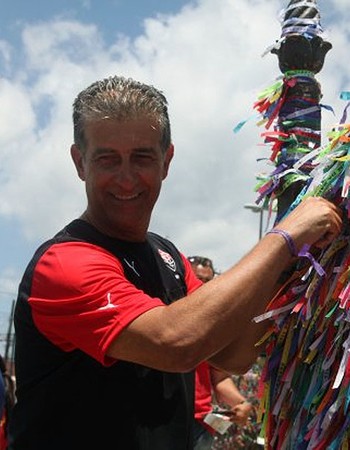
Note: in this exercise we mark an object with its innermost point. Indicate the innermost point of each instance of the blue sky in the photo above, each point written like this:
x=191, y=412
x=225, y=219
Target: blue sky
x=205, y=56
x=111, y=16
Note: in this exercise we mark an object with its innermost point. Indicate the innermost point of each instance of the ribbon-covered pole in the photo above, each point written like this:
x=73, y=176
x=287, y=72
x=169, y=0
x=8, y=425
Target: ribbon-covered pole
x=292, y=104
x=306, y=378
x=301, y=51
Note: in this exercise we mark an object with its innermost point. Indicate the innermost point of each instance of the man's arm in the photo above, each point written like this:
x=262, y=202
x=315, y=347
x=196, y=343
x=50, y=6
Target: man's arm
x=215, y=322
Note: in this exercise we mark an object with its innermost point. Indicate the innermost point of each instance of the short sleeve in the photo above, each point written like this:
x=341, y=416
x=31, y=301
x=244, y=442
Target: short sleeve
x=80, y=298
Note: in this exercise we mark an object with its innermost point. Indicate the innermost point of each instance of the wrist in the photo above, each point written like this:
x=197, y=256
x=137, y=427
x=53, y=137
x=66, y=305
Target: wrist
x=288, y=240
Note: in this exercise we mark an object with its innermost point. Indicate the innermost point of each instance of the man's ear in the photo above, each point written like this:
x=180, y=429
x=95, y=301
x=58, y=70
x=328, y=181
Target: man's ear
x=167, y=159
x=78, y=161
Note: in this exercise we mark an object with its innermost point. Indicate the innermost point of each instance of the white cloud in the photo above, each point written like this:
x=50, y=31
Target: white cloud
x=5, y=53
x=14, y=97
x=338, y=5
x=8, y=290
x=207, y=60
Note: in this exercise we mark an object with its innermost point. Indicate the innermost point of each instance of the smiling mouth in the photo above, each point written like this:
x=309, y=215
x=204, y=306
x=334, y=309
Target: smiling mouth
x=125, y=198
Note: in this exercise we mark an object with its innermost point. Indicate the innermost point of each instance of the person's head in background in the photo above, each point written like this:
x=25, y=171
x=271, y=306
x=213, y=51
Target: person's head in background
x=202, y=267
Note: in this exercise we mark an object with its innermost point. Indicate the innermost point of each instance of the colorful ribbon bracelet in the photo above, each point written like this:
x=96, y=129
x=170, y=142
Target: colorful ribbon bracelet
x=288, y=238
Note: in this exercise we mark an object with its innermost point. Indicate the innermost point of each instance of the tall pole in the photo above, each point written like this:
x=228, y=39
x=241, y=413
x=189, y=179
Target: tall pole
x=300, y=56
x=307, y=372
x=9, y=334
x=260, y=210
x=296, y=114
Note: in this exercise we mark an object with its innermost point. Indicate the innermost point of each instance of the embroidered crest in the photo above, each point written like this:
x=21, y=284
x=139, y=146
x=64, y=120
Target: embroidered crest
x=168, y=259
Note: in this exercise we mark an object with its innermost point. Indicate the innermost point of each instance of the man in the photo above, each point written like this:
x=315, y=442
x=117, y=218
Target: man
x=104, y=354
x=211, y=382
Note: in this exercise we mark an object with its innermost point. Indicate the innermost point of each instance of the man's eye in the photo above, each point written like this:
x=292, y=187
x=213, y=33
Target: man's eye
x=144, y=157
x=106, y=159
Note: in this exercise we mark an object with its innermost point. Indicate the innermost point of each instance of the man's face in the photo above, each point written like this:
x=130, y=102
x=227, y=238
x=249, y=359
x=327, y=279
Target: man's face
x=204, y=273
x=123, y=168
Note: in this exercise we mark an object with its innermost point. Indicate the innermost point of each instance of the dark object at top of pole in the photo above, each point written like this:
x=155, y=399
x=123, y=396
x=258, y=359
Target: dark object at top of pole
x=301, y=46
x=297, y=10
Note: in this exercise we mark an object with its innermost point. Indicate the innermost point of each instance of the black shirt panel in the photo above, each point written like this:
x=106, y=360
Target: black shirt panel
x=79, y=403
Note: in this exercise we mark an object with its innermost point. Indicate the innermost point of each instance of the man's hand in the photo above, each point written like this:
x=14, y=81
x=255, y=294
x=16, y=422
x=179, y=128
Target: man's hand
x=315, y=221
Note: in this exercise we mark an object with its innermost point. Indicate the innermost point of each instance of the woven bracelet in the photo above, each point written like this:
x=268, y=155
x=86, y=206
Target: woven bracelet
x=288, y=238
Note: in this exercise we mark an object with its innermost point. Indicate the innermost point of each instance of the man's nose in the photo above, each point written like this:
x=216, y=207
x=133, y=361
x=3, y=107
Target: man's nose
x=126, y=173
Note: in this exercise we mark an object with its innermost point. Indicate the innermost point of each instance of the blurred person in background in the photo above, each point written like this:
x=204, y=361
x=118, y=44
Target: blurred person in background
x=214, y=387
x=7, y=401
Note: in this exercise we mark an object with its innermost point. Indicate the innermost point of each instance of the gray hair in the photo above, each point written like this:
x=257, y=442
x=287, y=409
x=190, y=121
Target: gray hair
x=122, y=99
